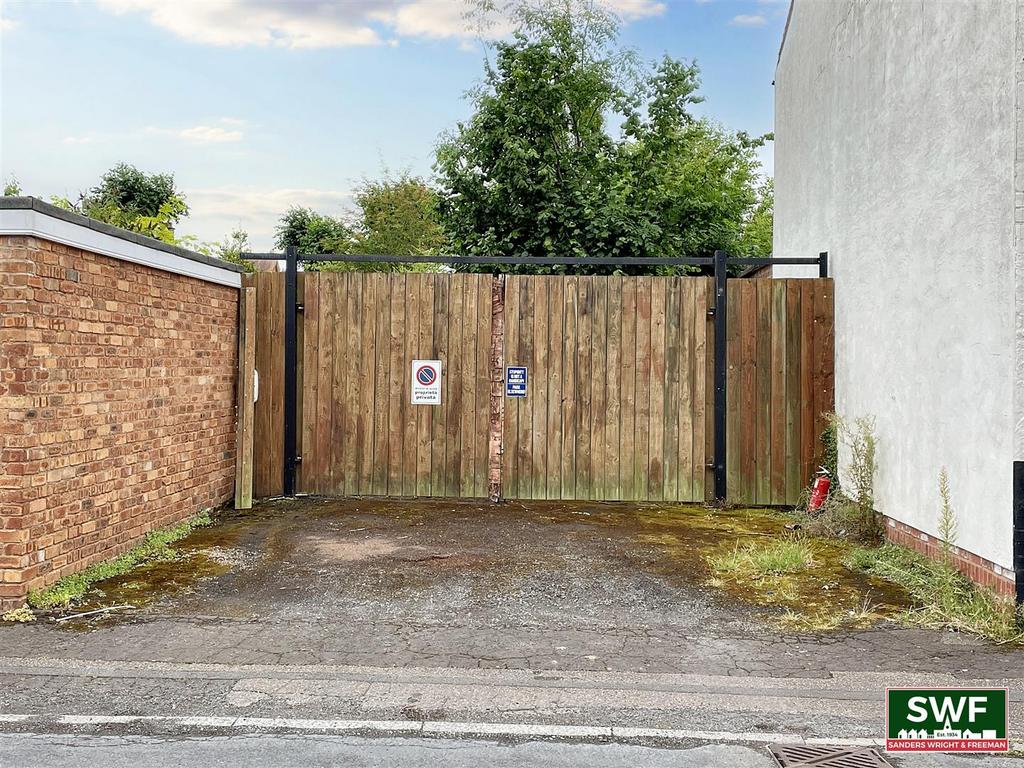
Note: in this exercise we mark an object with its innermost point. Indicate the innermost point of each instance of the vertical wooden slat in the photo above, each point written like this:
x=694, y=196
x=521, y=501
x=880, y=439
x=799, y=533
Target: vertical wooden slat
x=762, y=400
x=510, y=438
x=339, y=377
x=793, y=344
x=553, y=385
x=807, y=437
x=300, y=342
x=524, y=455
x=613, y=383
x=244, y=397
x=599, y=388
x=748, y=404
x=464, y=464
x=673, y=353
x=456, y=348
x=687, y=319
x=396, y=372
x=380, y=311
x=567, y=489
x=424, y=351
x=734, y=382
x=656, y=468
x=704, y=353
x=410, y=352
x=627, y=396
x=584, y=390
x=320, y=455
x=438, y=424
x=352, y=365
x=778, y=392
x=642, y=423
x=537, y=393
x=309, y=381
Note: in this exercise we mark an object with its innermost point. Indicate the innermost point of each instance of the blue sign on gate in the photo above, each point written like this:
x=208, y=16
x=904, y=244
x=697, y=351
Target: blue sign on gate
x=515, y=381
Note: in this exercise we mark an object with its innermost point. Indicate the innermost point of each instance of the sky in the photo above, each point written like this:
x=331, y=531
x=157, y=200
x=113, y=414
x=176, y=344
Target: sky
x=258, y=105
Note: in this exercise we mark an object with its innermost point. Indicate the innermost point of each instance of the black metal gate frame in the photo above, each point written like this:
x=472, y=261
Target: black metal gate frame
x=720, y=264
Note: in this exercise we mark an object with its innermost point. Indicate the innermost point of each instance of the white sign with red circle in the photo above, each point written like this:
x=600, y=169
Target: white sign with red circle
x=426, y=382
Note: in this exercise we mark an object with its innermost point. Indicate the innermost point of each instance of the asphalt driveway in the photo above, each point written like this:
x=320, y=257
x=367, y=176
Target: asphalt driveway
x=538, y=586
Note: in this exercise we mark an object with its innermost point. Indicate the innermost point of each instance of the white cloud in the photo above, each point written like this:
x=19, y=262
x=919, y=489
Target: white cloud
x=6, y=24
x=87, y=138
x=307, y=24
x=215, y=211
x=329, y=24
x=201, y=134
x=748, y=20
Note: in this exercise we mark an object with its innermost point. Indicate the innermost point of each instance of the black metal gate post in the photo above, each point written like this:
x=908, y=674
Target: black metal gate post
x=721, y=328
x=823, y=264
x=291, y=364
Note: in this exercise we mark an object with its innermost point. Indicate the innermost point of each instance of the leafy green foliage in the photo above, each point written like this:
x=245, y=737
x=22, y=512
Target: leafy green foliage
x=394, y=216
x=312, y=232
x=756, y=234
x=11, y=187
x=130, y=199
x=399, y=217
x=155, y=546
x=536, y=170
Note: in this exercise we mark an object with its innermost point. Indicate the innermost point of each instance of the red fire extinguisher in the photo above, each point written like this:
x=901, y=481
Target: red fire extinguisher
x=819, y=491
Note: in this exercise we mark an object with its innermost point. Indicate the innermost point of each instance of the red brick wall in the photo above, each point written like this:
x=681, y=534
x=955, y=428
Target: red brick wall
x=116, y=406
x=975, y=567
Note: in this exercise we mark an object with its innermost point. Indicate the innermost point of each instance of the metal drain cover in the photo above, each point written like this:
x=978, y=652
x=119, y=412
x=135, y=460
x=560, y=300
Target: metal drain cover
x=805, y=756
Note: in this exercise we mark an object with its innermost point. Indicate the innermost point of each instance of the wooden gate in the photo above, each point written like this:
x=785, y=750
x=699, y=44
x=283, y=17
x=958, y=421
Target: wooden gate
x=620, y=397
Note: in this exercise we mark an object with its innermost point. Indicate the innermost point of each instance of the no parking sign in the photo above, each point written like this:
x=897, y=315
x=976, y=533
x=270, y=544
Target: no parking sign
x=426, y=382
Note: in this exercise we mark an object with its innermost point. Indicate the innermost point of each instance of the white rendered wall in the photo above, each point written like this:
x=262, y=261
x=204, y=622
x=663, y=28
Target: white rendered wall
x=895, y=132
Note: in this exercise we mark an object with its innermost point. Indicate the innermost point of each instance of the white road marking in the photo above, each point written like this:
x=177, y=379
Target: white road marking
x=444, y=728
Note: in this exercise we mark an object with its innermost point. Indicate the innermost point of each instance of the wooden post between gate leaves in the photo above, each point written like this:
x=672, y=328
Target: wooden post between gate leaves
x=497, y=412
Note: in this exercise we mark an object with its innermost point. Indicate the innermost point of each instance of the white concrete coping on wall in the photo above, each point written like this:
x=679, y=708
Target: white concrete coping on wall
x=29, y=216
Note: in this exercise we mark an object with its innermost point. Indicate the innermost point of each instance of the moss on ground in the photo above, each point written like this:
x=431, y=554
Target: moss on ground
x=156, y=546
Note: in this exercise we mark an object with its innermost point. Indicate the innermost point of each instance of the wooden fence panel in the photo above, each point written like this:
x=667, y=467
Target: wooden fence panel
x=268, y=411
x=620, y=401
x=781, y=386
x=617, y=394
x=360, y=433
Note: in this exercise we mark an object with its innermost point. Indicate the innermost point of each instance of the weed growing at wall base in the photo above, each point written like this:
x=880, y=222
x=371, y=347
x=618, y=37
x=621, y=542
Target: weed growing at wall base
x=155, y=546
x=946, y=599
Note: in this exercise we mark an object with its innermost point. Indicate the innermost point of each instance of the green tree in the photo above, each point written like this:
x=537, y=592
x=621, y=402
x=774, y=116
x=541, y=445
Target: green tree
x=393, y=216
x=128, y=198
x=537, y=171
x=756, y=238
x=398, y=216
x=313, y=232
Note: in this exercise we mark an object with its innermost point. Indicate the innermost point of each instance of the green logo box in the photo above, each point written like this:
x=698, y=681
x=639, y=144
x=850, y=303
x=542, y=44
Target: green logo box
x=946, y=720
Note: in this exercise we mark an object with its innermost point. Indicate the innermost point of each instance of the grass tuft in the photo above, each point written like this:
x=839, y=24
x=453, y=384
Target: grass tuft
x=759, y=560
x=155, y=546
x=946, y=599
x=827, y=619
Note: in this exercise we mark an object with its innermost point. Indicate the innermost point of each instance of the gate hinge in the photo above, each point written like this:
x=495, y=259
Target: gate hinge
x=300, y=307
x=298, y=459
x=711, y=311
